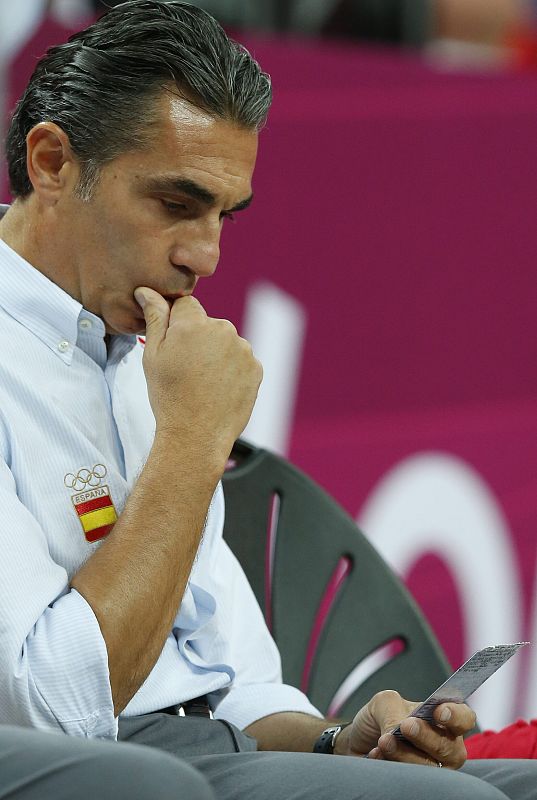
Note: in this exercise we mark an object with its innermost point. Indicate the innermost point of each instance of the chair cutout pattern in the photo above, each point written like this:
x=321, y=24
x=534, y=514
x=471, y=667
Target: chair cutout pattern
x=334, y=607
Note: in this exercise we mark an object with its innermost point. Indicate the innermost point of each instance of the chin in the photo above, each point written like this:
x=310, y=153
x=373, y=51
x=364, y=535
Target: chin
x=134, y=327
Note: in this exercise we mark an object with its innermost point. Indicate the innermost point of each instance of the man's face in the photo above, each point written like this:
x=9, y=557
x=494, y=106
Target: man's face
x=155, y=216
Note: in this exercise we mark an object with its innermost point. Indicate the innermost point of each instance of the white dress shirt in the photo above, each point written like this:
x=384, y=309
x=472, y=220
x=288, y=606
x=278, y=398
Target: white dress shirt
x=75, y=430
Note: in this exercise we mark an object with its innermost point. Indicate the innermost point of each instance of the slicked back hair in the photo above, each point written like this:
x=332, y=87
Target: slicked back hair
x=102, y=86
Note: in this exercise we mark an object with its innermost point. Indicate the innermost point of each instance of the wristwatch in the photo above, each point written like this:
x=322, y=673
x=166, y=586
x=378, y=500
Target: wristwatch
x=327, y=740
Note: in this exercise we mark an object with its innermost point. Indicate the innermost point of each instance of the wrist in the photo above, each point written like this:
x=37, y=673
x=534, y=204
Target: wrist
x=342, y=743
x=204, y=458
x=330, y=742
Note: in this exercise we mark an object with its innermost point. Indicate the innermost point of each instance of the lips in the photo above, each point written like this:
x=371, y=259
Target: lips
x=171, y=297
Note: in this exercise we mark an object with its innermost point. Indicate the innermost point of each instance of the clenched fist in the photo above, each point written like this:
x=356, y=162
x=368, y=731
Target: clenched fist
x=202, y=376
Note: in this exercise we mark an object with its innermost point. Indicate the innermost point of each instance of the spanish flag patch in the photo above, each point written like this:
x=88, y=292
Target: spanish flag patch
x=92, y=501
x=96, y=512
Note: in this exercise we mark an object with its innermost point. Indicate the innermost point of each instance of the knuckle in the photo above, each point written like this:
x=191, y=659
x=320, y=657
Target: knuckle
x=383, y=700
x=388, y=694
x=445, y=752
x=226, y=326
x=452, y=753
x=245, y=345
x=190, y=303
x=459, y=759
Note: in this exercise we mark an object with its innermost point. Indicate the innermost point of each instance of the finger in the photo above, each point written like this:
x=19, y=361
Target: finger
x=457, y=718
x=375, y=754
x=156, y=313
x=438, y=743
x=183, y=306
x=391, y=749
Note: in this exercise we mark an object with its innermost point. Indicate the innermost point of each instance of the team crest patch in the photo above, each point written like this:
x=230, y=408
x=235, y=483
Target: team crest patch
x=92, y=501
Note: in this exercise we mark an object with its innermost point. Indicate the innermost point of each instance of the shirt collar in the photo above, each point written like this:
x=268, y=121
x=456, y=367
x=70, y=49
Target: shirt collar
x=43, y=307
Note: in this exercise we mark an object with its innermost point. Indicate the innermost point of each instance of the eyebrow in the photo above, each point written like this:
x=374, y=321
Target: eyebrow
x=191, y=188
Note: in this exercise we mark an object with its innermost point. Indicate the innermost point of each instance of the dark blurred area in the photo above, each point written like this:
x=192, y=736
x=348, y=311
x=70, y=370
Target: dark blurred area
x=465, y=31
x=407, y=22
x=454, y=33
x=375, y=20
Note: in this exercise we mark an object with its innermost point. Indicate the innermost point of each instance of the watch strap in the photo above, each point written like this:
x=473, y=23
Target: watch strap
x=327, y=740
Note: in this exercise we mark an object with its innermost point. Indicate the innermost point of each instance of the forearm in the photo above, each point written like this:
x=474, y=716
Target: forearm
x=135, y=582
x=288, y=731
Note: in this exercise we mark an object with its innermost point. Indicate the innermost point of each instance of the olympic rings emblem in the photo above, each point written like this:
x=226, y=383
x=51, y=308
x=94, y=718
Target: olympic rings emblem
x=85, y=477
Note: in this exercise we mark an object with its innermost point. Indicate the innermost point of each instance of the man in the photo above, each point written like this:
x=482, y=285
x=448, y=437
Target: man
x=120, y=604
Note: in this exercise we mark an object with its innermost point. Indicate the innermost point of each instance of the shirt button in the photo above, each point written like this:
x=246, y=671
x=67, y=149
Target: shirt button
x=63, y=347
x=86, y=324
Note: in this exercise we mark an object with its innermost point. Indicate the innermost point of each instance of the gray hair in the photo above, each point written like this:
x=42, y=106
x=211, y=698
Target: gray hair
x=102, y=86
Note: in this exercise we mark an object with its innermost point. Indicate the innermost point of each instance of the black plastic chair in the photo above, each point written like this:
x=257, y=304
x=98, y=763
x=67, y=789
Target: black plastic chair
x=329, y=598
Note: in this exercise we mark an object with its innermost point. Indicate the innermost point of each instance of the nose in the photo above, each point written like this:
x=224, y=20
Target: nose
x=199, y=251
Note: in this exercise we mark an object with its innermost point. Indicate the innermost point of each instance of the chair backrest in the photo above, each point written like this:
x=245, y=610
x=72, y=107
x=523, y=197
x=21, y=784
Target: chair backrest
x=329, y=598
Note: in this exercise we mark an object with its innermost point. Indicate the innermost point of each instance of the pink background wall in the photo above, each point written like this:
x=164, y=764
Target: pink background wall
x=397, y=205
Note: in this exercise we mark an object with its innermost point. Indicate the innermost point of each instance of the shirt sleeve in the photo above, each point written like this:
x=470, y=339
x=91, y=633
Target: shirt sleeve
x=257, y=689
x=53, y=658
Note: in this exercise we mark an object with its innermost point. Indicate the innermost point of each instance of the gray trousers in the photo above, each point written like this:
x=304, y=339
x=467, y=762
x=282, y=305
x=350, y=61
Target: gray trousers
x=47, y=766
x=227, y=759
x=50, y=766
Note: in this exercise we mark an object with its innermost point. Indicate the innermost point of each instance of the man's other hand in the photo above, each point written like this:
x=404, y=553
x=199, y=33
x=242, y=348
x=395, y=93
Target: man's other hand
x=439, y=745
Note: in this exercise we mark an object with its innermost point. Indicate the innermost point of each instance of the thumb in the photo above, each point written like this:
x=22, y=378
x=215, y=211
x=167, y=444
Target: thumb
x=156, y=313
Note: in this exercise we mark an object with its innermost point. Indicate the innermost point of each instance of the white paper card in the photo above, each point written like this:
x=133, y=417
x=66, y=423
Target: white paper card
x=465, y=680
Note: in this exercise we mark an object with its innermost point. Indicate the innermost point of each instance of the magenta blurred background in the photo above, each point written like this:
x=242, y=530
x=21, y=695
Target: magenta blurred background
x=395, y=203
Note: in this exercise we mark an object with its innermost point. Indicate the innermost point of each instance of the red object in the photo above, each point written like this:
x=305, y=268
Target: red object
x=523, y=46
x=518, y=740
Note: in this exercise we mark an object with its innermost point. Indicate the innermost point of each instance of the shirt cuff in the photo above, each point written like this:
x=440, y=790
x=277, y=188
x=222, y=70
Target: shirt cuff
x=68, y=682
x=245, y=704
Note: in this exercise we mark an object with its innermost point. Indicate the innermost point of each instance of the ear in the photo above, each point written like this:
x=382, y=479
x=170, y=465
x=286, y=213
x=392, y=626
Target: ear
x=52, y=166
